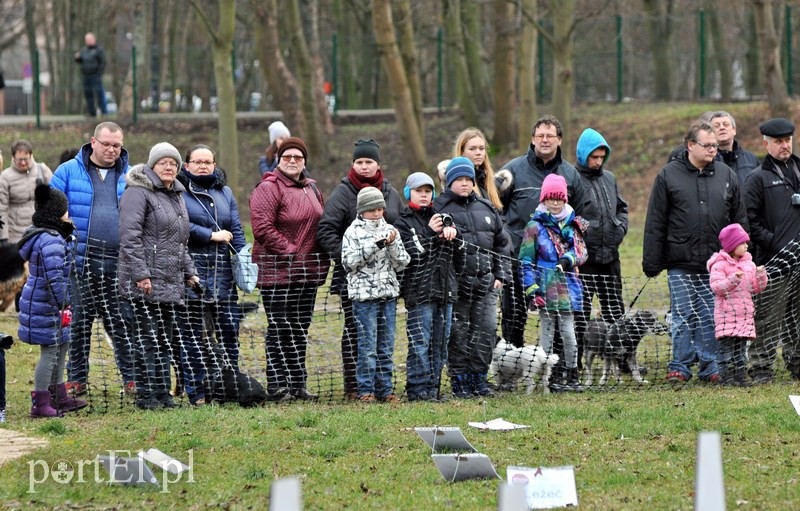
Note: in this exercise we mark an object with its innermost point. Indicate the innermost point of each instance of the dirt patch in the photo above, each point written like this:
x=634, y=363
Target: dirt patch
x=14, y=444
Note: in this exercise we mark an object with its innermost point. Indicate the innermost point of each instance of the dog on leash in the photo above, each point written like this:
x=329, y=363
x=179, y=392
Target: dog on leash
x=618, y=340
x=511, y=365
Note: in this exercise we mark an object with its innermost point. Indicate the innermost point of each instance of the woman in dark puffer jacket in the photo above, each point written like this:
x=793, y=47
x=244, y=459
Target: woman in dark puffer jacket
x=214, y=227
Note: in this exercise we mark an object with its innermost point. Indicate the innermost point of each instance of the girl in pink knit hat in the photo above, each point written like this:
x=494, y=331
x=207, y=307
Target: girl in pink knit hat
x=734, y=280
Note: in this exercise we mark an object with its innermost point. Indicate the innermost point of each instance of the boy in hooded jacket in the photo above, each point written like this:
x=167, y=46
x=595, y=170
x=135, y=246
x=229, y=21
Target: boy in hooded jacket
x=373, y=258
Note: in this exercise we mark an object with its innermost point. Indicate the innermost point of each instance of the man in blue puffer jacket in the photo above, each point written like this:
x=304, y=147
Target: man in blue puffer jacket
x=93, y=182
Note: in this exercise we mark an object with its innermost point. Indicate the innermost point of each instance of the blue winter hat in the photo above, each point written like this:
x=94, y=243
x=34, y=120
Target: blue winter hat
x=459, y=167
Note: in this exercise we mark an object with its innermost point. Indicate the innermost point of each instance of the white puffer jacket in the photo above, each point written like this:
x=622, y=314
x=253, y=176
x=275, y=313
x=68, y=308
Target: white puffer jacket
x=372, y=271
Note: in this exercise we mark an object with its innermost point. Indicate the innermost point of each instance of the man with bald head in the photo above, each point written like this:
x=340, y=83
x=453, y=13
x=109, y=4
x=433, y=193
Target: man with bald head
x=93, y=63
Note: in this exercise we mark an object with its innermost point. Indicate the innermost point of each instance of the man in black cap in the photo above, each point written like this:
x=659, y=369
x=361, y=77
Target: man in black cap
x=773, y=210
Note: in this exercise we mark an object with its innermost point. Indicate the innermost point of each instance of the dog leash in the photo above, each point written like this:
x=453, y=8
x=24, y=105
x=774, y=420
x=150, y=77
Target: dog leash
x=635, y=298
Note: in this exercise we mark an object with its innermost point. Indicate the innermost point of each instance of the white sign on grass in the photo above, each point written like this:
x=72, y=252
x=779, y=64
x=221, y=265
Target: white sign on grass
x=546, y=487
x=796, y=402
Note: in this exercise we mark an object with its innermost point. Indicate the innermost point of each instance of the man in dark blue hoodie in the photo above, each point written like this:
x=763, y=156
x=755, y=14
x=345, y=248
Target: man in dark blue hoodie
x=607, y=214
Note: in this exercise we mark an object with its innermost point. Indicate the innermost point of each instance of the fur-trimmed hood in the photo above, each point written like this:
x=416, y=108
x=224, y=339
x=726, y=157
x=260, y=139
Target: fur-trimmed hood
x=143, y=176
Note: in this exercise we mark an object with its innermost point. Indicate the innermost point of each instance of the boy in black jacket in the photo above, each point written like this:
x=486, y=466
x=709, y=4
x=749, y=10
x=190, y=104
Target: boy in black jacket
x=428, y=288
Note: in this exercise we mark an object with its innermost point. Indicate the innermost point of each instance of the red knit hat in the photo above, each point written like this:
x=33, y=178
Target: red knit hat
x=554, y=187
x=732, y=236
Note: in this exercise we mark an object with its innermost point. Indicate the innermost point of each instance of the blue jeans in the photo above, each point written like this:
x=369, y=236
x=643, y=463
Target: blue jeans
x=201, y=324
x=375, y=322
x=95, y=295
x=427, y=329
x=692, y=328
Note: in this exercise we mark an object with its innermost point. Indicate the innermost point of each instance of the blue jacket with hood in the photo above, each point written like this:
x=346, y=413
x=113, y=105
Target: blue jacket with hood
x=72, y=178
x=603, y=206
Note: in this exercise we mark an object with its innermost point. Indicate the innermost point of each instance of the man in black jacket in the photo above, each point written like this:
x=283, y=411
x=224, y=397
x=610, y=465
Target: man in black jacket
x=692, y=199
x=607, y=214
x=773, y=210
x=93, y=63
x=740, y=160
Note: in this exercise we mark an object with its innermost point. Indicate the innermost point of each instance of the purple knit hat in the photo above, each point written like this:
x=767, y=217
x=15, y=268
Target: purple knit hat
x=732, y=236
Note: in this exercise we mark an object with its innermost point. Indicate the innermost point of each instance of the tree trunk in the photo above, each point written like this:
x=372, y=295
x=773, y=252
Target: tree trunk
x=721, y=56
x=313, y=135
x=221, y=47
x=563, y=65
x=280, y=80
x=398, y=84
x=779, y=102
x=455, y=39
x=479, y=76
x=403, y=18
x=752, y=79
x=526, y=66
x=321, y=102
x=659, y=29
x=504, y=79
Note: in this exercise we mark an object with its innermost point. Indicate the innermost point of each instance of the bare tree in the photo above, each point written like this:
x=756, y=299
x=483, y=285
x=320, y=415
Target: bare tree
x=526, y=69
x=221, y=47
x=403, y=19
x=473, y=49
x=410, y=132
x=321, y=102
x=721, y=54
x=504, y=79
x=455, y=40
x=659, y=25
x=778, y=98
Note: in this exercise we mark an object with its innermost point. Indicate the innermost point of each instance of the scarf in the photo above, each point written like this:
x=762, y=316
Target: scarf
x=559, y=218
x=363, y=182
x=205, y=181
x=65, y=229
x=302, y=181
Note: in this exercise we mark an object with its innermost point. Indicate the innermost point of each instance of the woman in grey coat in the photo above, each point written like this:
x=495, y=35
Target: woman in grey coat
x=154, y=266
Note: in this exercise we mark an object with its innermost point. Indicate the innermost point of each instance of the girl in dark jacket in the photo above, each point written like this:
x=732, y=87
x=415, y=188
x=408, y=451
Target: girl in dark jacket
x=214, y=228
x=154, y=267
x=44, y=315
x=477, y=261
x=285, y=209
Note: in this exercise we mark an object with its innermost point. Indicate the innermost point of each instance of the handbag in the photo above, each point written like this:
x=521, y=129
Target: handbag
x=245, y=271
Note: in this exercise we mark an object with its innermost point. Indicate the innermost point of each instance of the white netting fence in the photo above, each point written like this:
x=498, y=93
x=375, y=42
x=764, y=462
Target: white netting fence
x=305, y=345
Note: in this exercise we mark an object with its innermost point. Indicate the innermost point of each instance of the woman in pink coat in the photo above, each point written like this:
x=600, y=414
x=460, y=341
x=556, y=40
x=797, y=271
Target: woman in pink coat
x=734, y=281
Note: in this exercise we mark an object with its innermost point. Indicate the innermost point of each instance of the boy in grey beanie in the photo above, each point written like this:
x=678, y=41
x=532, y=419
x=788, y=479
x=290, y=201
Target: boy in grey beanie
x=373, y=255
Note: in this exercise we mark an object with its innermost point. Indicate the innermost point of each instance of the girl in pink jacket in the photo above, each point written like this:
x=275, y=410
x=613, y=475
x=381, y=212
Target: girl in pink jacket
x=734, y=281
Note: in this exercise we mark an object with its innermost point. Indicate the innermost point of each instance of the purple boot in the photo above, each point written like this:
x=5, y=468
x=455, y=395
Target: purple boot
x=61, y=400
x=41, y=407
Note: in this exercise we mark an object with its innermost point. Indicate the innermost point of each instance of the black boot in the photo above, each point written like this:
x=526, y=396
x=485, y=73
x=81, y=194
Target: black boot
x=557, y=379
x=573, y=381
x=461, y=386
x=482, y=385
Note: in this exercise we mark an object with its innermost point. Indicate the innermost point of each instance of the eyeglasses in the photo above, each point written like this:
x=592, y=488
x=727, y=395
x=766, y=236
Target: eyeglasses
x=21, y=160
x=706, y=147
x=109, y=144
x=167, y=164
x=545, y=136
x=290, y=157
x=202, y=163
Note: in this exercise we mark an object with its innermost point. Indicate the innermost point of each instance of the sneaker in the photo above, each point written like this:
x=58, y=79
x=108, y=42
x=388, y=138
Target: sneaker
x=2, y=415
x=76, y=389
x=761, y=377
x=129, y=389
x=678, y=377
x=418, y=396
x=279, y=394
x=714, y=378
x=391, y=398
x=302, y=394
x=367, y=398
x=150, y=403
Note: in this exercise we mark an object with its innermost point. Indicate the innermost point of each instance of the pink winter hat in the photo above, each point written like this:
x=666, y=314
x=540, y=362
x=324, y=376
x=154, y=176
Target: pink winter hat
x=732, y=236
x=553, y=187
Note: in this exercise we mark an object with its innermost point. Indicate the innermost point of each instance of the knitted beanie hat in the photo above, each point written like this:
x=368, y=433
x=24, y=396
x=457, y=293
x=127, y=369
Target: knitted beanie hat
x=50, y=205
x=293, y=143
x=460, y=167
x=732, y=236
x=369, y=198
x=278, y=130
x=553, y=187
x=366, y=148
x=163, y=150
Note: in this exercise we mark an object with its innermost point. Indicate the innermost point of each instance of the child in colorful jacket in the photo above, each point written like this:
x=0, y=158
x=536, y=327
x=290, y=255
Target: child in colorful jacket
x=734, y=279
x=373, y=255
x=551, y=252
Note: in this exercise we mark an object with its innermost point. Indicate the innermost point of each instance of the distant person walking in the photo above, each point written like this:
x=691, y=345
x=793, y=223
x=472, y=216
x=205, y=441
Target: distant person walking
x=93, y=63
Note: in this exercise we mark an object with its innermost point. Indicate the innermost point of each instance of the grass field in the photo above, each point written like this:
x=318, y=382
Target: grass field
x=631, y=449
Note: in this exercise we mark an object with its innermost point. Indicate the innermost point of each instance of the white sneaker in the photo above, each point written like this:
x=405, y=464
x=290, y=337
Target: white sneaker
x=2, y=415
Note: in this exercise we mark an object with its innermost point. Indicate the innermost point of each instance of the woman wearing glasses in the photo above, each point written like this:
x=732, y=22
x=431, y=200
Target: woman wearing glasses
x=285, y=209
x=214, y=231
x=17, y=184
x=154, y=267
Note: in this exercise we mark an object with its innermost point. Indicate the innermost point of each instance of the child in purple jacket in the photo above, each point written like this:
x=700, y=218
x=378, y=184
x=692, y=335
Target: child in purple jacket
x=734, y=280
